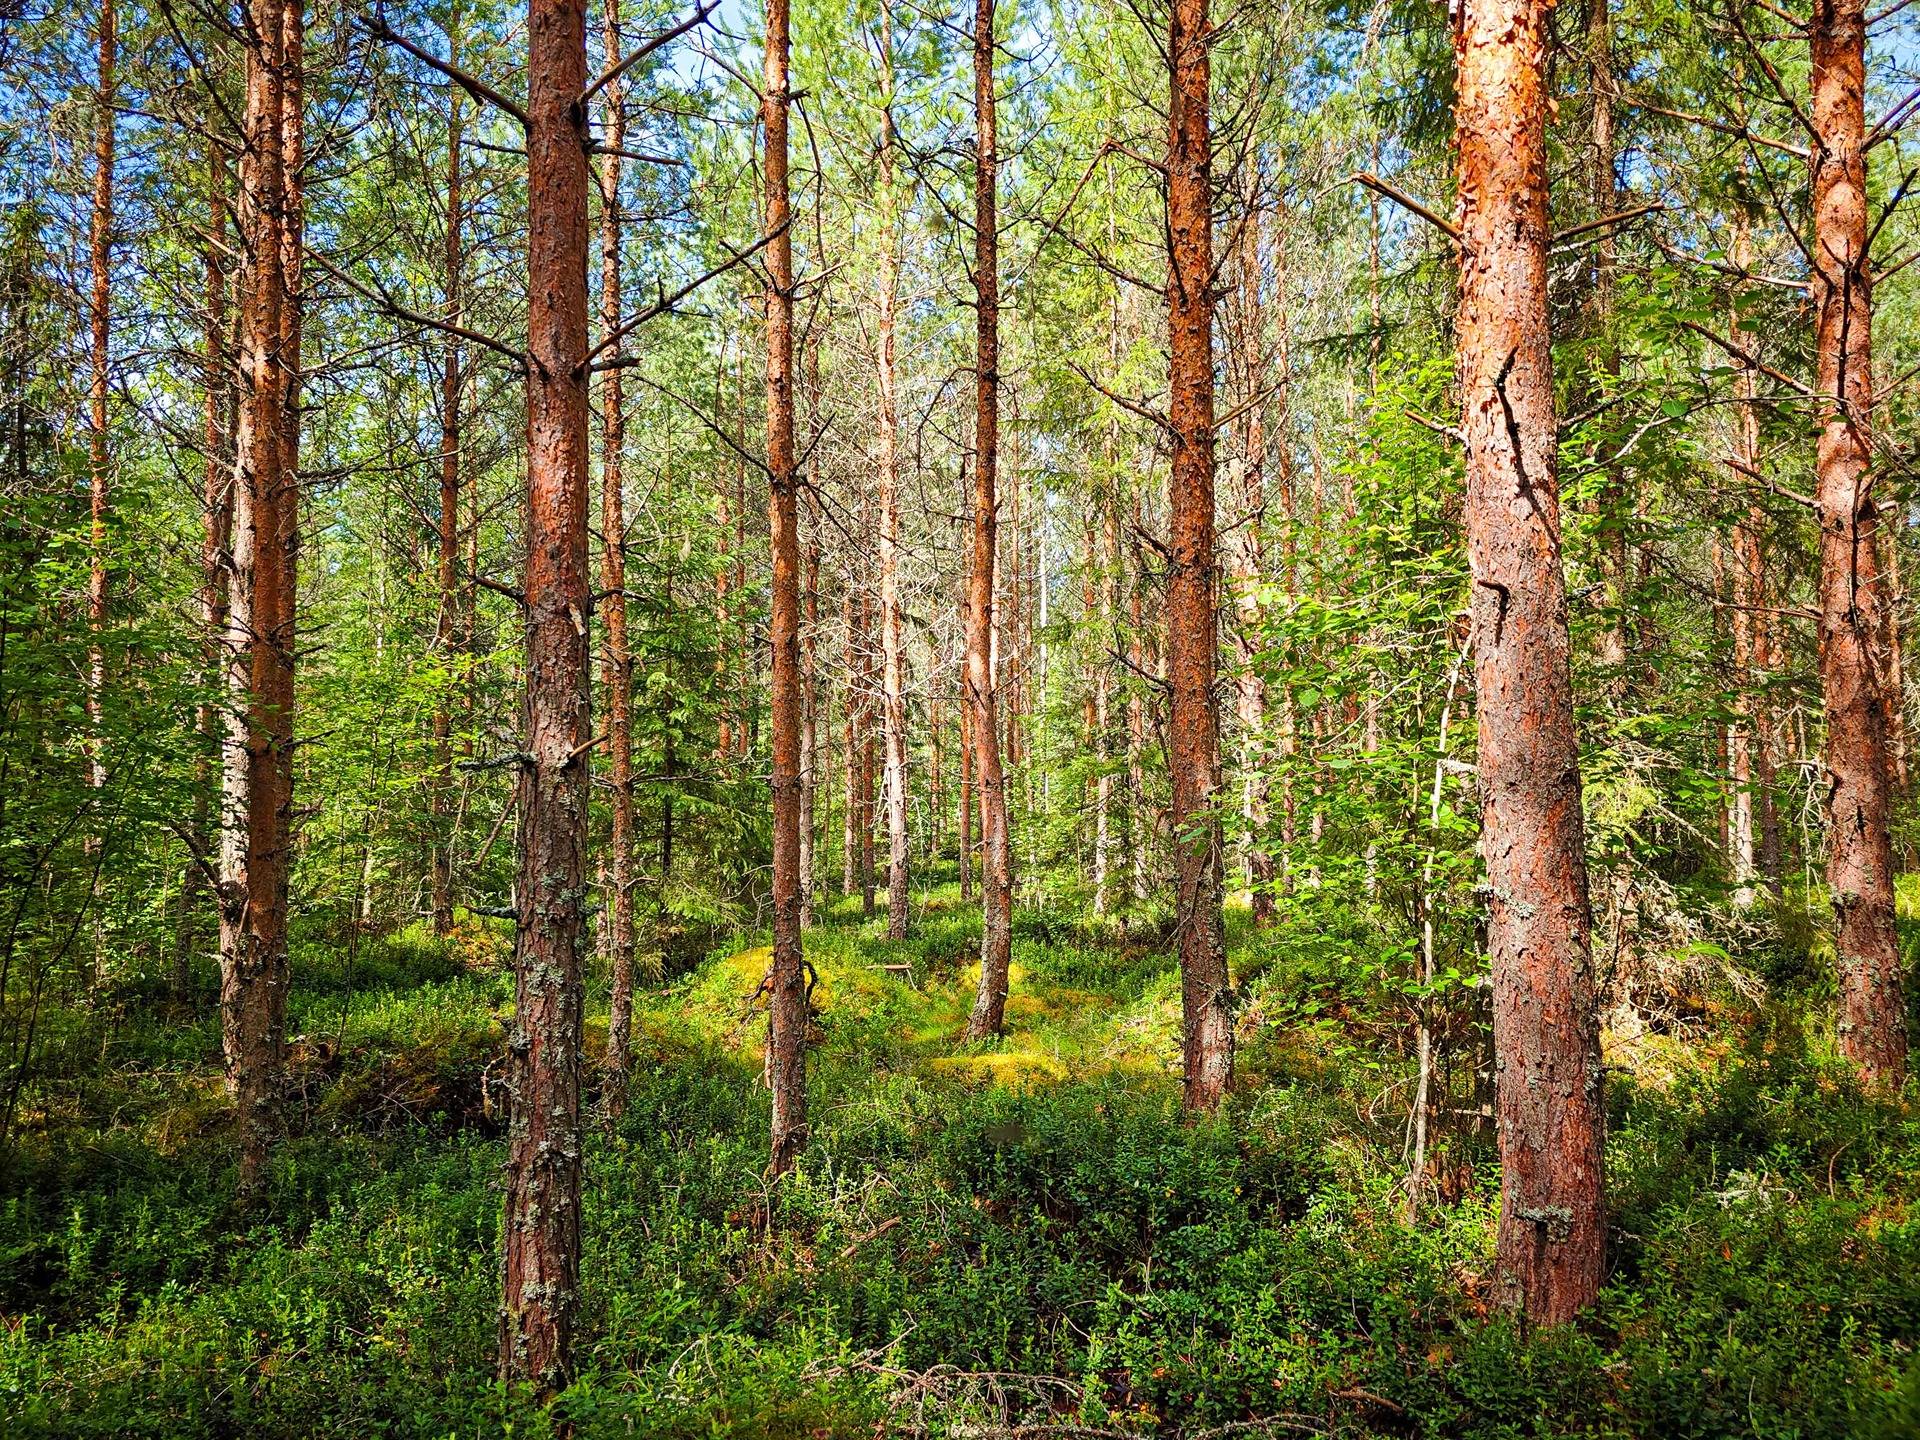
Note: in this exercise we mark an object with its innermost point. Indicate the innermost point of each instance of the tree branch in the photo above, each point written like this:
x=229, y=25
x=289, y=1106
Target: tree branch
x=1401, y=198
x=667, y=302
x=377, y=27
x=706, y=8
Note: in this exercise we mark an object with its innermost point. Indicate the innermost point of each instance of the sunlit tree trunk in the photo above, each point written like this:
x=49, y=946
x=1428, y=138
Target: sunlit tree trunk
x=1193, y=740
x=258, y=794
x=541, y=1260
x=786, y=980
x=1852, y=590
x=216, y=536
x=446, y=630
x=892, y=627
x=1551, y=1239
x=1249, y=567
x=810, y=767
x=996, y=859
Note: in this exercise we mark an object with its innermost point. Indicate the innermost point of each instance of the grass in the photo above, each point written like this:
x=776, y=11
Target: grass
x=1025, y=1232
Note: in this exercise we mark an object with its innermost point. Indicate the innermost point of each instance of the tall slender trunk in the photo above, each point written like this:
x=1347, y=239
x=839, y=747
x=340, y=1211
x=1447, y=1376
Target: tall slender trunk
x=258, y=796
x=1852, y=590
x=1193, y=741
x=996, y=860
x=1742, y=736
x=1141, y=824
x=618, y=665
x=1551, y=1237
x=966, y=783
x=1250, y=686
x=810, y=766
x=541, y=1261
x=100, y=264
x=1604, y=191
x=892, y=633
x=786, y=980
x=216, y=533
x=446, y=630
x=852, y=700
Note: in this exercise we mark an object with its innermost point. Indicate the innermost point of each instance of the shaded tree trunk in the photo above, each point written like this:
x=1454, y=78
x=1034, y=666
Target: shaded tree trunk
x=100, y=316
x=996, y=861
x=1852, y=591
x=786, y=980
x=1193, y=748
x=541, y=1259
x=1551, y=1239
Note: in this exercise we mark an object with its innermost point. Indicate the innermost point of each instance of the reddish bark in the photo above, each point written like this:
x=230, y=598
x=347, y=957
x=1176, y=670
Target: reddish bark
x=447, y=624
x=1852, y=590
x=892, y=632
x=996, y=860
x=1545, y=1028
x=618, y=662
x=259, y=757
x=1249, y=567
x=810, y=767
x=1193, y=742
x=541, y=1263
x=786, y=979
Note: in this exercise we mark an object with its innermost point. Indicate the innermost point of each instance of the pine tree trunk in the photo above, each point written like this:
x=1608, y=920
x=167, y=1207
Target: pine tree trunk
x=996, y=859
x=810, y=767
x=100, y=308
x=892, y=634
x=259, y=755
x=1852, y=591
x=541, y=1266
x=1605, y=196
x=618, y=665
x=216, y=536
x=1250, y=686
x=1193, y=742
x=786, y=980
x=446, y=629
x=1551, y=1239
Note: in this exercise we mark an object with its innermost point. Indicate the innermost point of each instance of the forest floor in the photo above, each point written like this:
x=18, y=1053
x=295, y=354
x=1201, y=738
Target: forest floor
x=1018, y=1238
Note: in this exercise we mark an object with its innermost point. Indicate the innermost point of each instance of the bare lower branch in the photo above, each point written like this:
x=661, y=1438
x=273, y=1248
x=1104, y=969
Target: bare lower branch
x=1400, y=197
x=377, y=27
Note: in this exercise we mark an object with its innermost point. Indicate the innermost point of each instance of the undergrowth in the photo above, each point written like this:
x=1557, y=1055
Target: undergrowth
x=1020, y=1233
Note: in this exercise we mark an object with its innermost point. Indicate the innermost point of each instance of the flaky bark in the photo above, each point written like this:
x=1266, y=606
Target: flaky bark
x=541, y=1251
x=1852, y=591
x=989, y=779
x=257, y=820
x=786, y=1055
x=618, y=665
x=1193, y=740
x=786, y=980
x=1550, y=1246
